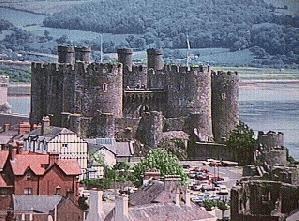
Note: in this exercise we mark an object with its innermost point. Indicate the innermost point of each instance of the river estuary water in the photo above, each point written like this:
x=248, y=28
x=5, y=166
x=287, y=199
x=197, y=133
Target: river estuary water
x=268, y=101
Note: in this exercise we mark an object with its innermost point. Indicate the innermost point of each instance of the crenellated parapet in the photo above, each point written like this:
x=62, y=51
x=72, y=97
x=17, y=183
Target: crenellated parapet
x=271, y=148
x=270, y=140
x=136, y=78
x=225, y=103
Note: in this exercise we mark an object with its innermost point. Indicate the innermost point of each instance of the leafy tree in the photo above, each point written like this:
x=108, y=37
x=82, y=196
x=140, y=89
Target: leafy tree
x=160, y=159
x=242, y=141
x=222, y=206
x=82, y=202
x=209, y=204
x=175, y=146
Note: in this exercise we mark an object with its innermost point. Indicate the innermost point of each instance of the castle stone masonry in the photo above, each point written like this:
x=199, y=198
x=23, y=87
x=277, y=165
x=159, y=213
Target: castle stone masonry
x=108, y=100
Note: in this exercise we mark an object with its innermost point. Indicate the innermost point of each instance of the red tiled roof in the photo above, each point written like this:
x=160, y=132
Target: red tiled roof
x=37, y=162
x=33, y=161
x=3, y=157
x=69, y=167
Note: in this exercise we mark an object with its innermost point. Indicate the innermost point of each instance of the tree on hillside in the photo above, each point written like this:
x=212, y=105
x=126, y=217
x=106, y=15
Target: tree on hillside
x=160, y=159
x=243, y=142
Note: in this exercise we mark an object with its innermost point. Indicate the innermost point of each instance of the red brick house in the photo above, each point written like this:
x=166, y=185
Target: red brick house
x=38, y=174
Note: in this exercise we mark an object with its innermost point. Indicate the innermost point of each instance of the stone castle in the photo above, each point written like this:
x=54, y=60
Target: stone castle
x=128, y=101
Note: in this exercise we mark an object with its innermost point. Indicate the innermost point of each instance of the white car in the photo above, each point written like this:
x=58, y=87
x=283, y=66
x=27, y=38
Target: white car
x=222, y=190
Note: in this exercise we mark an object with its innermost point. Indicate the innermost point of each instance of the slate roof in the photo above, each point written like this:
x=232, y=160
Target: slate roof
x=39, y=203
x=294, y=216
x=120, y=149
x=164, y=211
x=147, y=193
x=49, y=132
x=167, y=211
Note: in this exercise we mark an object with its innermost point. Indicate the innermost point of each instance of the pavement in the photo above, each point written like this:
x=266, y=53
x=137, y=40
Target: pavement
x=230, y=174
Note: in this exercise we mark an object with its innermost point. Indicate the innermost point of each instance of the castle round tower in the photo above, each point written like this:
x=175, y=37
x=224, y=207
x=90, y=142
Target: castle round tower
x=66, y=54
x=155, y=59
x=99, y=89
x=225, y=104
x=83, y=54
x=125, y=57
x=150, y=128
x=189, y=95
x=104, y=125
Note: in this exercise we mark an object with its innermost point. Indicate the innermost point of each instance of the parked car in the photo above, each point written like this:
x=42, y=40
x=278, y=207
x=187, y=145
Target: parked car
x=201, y=176
x=217, y=178
x=206, y=187
x=222, y=190
x=192, y=175
x=196, y=187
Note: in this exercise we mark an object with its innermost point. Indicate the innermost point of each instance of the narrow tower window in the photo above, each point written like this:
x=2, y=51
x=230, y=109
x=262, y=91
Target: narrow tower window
x=105, y=87
x=223, y=96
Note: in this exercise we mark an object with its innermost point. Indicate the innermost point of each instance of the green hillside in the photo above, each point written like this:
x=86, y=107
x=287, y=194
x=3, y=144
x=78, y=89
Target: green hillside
x=234, y=24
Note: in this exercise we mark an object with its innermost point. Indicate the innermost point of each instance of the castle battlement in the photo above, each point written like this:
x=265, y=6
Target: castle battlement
x=78, y=67
x=139, y=68
x=224, y=75
x=173, y=68
x=271, y=139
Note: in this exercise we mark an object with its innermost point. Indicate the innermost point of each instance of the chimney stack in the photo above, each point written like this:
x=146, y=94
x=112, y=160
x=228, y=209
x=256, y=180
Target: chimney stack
x=122, y=208
x=151, y=175
x=177, y=198
x=96, y=211
x=45, y=124
x=187, y=198
x=53, y=158
x=12, y=152
x=172, y=183
x=6, y=127
x=24, y=128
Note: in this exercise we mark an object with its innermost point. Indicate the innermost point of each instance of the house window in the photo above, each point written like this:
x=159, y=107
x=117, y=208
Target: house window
x=64, y=145
x=265, y=195
x=105, y=87
x=28, y=191
x=28, y=177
